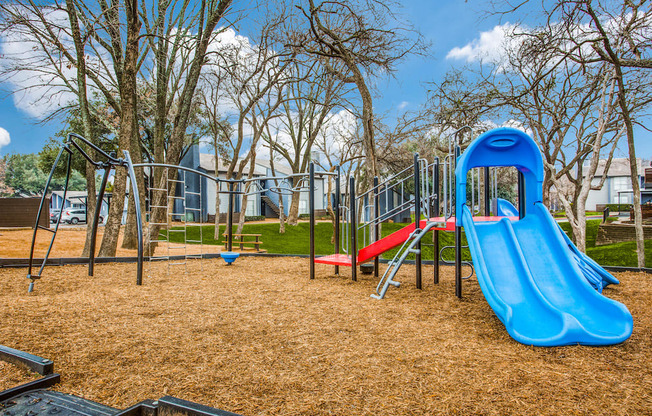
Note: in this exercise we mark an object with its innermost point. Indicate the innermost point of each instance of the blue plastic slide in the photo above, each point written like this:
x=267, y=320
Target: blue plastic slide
x=528, y=274
x=504, y=208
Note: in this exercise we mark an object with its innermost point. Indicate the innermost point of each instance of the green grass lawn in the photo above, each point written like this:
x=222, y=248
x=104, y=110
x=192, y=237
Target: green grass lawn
x=295, y=240
x=619, y=254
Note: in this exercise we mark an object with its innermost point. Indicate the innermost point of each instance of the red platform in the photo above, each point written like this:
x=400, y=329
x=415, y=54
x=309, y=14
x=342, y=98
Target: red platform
x=395, y=239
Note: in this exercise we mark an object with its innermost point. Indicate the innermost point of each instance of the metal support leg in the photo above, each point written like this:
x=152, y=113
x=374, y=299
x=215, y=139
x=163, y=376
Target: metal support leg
x=336, y=210
x=139, y=217
x=458, y=262
x=311, y=208
x=354, y=231
x=417, y=217
x=377, y=225
x=435, y=243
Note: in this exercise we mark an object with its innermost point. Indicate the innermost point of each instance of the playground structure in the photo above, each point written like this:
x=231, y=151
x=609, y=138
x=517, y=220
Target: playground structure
x=540, y=286
x=171, y=209
x=527, y=268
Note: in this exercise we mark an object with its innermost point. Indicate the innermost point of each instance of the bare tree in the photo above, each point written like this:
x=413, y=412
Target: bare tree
x=252, y=81
x=179, y=36
x=312, y=93
x=110, y=30
x=591, y=32
x=366, y=38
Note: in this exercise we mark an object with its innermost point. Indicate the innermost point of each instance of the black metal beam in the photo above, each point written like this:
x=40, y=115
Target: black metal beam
x=377, y=224
x=435, y=213
x=35, y=363
x=229, y=222
x=311, y=210
x=521, y=195
x=458, y=241
x=417, y=216
x=336, y=210
x=172, y=406
x=42, y=383
x=487, y=192
x=354, y=230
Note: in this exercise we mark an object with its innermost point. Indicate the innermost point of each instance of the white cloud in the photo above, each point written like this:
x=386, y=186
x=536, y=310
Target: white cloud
x=489, y=46
x=5, y=139
x=402, y=105
x=36, y=82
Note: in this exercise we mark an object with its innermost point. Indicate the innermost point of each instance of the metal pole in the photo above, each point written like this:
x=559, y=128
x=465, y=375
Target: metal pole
x=229, y=223
x=417, y=216
x=487, y=197
x=354, y=230
x=337, y=217
x=311, y=208
x=521, y=195
x=139, y=222
x=96, y=218
x=377, y=225
x=458, y=242
x=40, y=208
x=435, y=211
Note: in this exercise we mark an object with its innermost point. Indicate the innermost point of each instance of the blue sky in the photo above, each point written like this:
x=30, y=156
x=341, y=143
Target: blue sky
x=446, y=24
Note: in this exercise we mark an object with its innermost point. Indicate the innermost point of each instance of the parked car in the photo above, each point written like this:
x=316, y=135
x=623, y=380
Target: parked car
x=75, y=216
x=54, y=215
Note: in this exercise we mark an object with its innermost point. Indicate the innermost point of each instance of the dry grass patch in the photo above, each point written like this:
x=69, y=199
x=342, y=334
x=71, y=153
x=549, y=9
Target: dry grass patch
x=259, y=337
x=69, y=242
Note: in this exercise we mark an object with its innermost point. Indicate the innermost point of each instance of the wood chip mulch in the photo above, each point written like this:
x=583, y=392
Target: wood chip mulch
x=260, y=338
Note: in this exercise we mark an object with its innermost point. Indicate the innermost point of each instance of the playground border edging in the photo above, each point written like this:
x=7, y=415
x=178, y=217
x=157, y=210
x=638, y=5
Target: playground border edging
x=64, y=261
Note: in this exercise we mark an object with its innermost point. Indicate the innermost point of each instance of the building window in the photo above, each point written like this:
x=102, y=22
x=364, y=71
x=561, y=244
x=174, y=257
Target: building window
x=303, y=207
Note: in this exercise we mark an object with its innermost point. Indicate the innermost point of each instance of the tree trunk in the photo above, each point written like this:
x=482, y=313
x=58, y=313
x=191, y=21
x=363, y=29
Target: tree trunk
x=281, y=215
x=128, y=126
x=112, y=227
x=293, y=214
x=369, y=143
x=216, y=234
x=71, y=8
x=638, y=215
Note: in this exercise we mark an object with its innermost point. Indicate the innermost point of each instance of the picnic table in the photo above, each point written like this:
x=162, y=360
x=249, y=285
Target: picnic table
x=245, y=240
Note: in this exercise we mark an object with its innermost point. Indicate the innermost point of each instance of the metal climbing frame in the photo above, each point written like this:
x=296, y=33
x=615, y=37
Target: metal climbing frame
x=108, y=162
x=165, y=210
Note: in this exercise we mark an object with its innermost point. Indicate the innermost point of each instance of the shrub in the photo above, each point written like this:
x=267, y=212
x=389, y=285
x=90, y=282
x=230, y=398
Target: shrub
x=619, y=207
x=317, y=217
x=254, y=218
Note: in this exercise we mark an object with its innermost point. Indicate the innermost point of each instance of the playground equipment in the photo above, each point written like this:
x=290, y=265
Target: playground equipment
x=433, y=207
x=171, y=208
x=534, y=282
x=539, y=285
x=108, y=162
x=229, y=257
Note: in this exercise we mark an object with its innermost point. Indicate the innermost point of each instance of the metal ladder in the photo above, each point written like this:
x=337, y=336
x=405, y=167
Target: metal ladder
x=397, y=261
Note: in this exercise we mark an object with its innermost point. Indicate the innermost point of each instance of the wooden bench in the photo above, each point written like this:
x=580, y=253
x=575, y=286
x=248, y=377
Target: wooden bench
x=239, y=239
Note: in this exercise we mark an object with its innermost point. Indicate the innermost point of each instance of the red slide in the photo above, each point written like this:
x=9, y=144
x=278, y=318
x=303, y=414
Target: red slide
x=379, y=247
x=394, y=239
